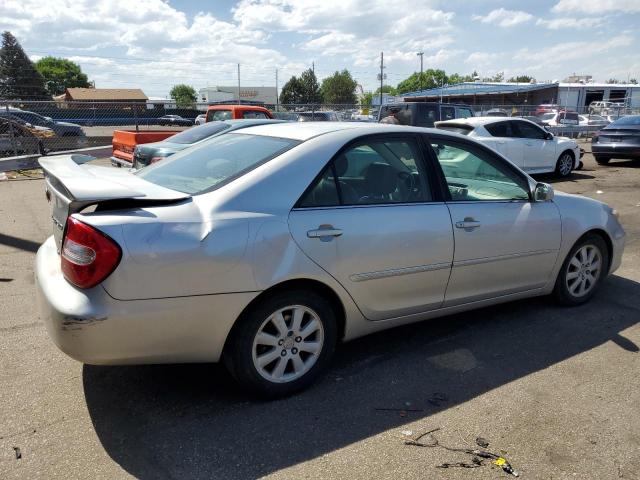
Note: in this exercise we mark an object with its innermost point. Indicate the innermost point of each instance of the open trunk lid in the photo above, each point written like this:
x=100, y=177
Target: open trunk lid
x=72, y=186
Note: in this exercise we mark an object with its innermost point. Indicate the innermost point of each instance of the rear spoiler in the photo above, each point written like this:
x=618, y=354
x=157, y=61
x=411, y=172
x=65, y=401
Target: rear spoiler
x=72, y=186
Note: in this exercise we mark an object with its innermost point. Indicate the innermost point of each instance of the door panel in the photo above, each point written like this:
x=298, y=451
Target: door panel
x=393, y=260
x=513, y=249
x=538, y=151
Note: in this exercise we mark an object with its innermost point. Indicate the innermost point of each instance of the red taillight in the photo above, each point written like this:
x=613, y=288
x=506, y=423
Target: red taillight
x=88, y=255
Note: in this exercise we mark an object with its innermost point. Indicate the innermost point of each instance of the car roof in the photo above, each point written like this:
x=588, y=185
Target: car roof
x=306, y=130
x=475, y=121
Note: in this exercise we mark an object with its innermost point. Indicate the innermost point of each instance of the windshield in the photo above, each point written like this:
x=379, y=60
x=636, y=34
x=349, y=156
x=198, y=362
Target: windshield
x=196, y=134
x=207, y=166
x=631, y=121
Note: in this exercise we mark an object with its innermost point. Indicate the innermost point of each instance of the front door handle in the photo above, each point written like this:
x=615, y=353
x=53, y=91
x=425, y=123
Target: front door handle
x=324, y=233
x=468, y=224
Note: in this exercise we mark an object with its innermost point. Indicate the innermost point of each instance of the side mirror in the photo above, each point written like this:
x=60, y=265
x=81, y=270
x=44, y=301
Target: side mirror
x=543, y=192
x=548, y=136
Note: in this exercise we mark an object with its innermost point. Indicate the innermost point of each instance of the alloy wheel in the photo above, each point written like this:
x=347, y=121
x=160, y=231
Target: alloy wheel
x=583, y=271
x=565, y=164
x=288, y=344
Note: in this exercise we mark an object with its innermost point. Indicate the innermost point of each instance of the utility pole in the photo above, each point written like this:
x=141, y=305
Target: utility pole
x=381, y=76
x=420, y=54
x=239, y=84
x=277, y=96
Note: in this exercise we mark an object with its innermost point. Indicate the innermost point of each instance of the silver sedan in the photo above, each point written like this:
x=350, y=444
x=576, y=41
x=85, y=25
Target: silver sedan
x=265, y=248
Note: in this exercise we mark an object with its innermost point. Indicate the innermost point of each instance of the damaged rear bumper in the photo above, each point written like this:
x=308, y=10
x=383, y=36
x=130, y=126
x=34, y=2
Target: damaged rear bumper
x=92, y=327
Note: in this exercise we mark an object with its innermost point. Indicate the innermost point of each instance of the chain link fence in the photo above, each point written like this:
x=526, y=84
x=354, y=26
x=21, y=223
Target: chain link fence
x=31, y=128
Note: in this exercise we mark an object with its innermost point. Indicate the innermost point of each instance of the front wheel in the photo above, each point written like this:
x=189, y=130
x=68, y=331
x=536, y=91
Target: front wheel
x=564, y=165
x=282, y=344
x=582, y=271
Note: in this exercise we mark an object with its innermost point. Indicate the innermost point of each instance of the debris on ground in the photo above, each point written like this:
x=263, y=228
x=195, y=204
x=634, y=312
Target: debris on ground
x=3, y=176
x=17, y=452
x=482, y=442
x=478, y=456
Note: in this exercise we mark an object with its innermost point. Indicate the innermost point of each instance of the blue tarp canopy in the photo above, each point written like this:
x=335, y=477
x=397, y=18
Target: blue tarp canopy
x=476, y=88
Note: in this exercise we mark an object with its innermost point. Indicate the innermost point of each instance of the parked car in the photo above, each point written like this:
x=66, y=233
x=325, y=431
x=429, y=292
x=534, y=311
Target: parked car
x=16, y=138
x=522, y=142
x=620, y=139
x=266, y=247
x=201, y=119
x=236, y=112
x=287, y=116
x=534, y=119
x=593, y=120
x=561, y=118
x=424, y=114
x=317, y=117
x=174, y=120
x=546, y=108
x=148, y=153
x=497, y=112
x=61, y=129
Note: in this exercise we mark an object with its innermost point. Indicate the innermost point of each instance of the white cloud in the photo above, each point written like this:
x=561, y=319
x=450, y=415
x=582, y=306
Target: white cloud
x=505, y=18
x=480, y=59
x=564, y=52
x=571, y=22
x=596, y=6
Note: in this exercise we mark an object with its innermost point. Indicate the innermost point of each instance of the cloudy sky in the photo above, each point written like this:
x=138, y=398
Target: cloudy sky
x=153, y=44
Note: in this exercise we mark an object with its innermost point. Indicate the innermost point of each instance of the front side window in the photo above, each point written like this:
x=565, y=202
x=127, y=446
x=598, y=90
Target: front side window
x=526, y=130
x=464, y=113
x=376, y=171
x=475, y=175
x=213, y=163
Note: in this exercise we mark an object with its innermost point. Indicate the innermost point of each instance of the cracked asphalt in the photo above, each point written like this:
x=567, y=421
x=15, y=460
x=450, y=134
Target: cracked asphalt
x=553, y=390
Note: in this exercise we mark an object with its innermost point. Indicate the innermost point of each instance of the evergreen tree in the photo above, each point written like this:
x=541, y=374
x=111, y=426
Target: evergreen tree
x=310, y=87
x=19, y=78
x=291, y=93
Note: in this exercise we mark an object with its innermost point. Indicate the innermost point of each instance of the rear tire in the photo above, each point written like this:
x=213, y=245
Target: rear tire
x=582, y=271
x=282, y=344
x=564, y=165
x=600, y=160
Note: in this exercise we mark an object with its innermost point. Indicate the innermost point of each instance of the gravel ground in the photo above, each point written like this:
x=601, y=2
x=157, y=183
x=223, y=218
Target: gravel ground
x=554, y=390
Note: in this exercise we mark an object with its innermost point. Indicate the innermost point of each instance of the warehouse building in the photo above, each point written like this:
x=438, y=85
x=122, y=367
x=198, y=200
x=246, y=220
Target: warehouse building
x=572, y=95
x=266, y=95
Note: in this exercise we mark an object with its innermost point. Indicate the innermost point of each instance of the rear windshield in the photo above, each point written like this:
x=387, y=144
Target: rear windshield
x=195, y=134
x=456, y=128
x=213, y=115
x=622, y=121
x=205, y=167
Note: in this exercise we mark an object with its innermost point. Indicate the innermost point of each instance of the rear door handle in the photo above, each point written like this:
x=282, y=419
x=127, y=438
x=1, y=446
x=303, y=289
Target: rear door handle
x=468, y=224
x=324, y=232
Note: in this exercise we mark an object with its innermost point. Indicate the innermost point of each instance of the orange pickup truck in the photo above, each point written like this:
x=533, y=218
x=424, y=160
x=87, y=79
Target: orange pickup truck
x=233, y=112
x=124, y=142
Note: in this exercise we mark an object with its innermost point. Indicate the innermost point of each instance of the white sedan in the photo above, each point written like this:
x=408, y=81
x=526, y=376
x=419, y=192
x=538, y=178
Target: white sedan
x=521, y=141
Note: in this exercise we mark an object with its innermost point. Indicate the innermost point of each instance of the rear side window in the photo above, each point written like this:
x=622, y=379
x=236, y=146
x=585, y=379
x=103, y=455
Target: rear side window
x=427, y=115
x=568, y=118
x=501, y=129
x=372, y=172
x=211, y=164
x=218, y=115
x=253, y=114
x=448, y=113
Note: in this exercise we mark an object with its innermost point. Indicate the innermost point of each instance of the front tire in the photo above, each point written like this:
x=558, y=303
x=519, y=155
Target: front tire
x=564, y=165
x=282, y=344
x=582, y=272
x=600, y=160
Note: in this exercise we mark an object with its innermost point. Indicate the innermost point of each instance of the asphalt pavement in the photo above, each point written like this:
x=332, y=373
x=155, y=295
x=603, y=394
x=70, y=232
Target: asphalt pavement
x=553, y=390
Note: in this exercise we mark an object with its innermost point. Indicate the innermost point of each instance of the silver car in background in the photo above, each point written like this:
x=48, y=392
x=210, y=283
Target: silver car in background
x=266, y=247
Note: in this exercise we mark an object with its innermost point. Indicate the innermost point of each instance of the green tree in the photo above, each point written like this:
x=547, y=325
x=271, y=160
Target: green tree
x=292, y=93
x=310, y=87
x=339, y=88
x=498, y=77
x=184, y=95
x=613, y=80
x=19, y=78
x=521, y=79
x=633, y=81
x=60, y=74
x=430, y=78
x=367, y=99
x=390, y=89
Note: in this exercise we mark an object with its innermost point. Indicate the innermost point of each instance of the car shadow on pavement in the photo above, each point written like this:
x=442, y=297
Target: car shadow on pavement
x=191, y=421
